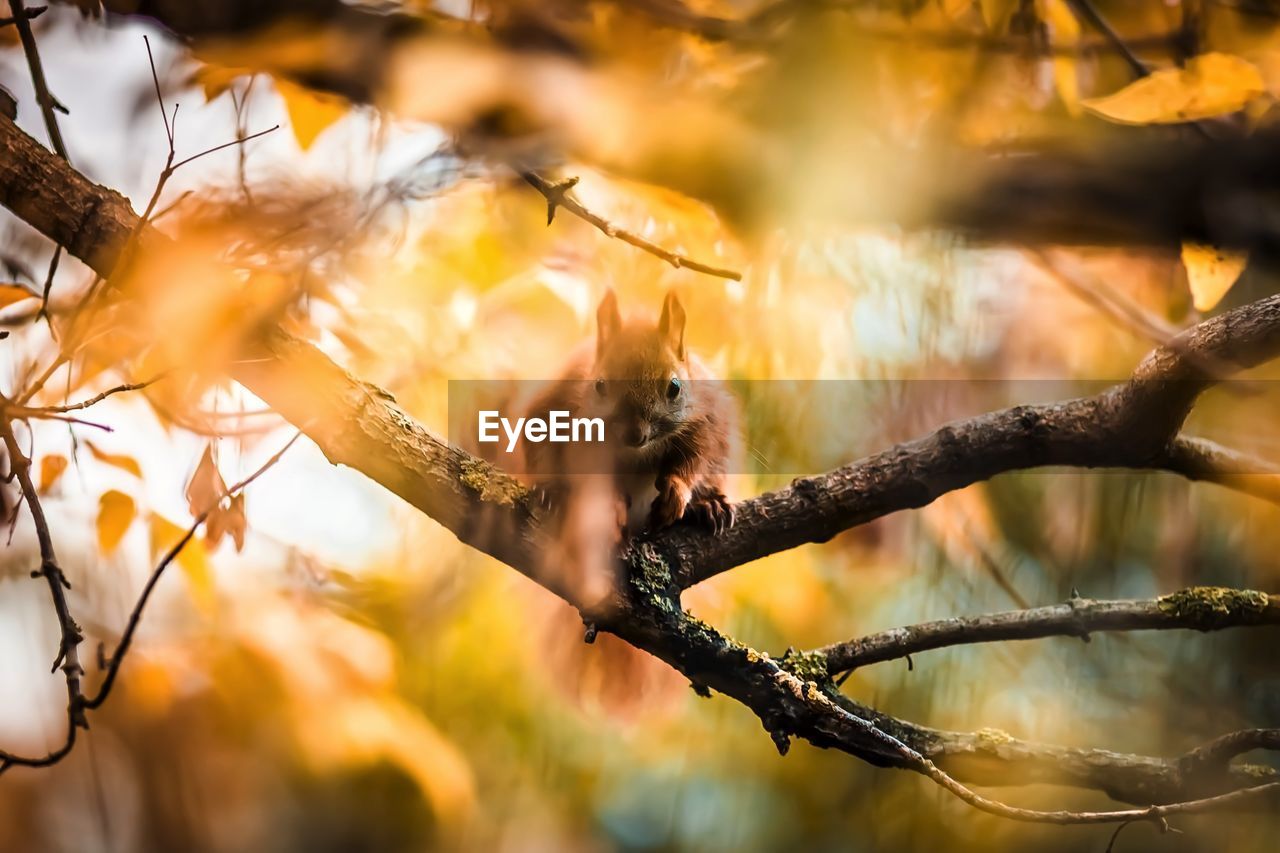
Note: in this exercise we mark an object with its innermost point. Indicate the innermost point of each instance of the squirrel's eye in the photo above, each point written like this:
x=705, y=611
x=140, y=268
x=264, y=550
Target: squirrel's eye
x=601, y=387
x=673, y=388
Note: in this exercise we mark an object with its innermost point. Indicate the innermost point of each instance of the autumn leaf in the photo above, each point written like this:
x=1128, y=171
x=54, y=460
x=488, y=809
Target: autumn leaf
x=215, y=79
x=119, y=460
x=206, y=487
x=193, y=559
x=12, y=293
x=51, y=468
x=1211, y=272
x=995, y=13
x=1064, y=31
x=310, y=113
x=115, y=513
x=1212, y=84
x=230, y=520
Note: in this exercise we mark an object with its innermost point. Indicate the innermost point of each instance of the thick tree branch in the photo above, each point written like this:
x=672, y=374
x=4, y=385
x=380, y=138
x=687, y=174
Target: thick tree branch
x=361, y=426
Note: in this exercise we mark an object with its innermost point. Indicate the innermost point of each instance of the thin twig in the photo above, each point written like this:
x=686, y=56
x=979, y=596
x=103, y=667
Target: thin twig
x=1085, y=10
x=48, y=104
x=215, y=148
x=1215, y=754
x=557, y=195
x=1197, y=608
x=70, y=637
x=94, y=400
x=914, y=760
x=127, y=252
x=32, y=13
x=135, y=616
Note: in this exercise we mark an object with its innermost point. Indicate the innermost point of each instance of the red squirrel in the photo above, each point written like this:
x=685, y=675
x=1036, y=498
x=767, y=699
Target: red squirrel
x=670, y=428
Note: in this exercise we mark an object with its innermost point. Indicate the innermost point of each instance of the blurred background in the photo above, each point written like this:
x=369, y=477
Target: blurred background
x=350, y=677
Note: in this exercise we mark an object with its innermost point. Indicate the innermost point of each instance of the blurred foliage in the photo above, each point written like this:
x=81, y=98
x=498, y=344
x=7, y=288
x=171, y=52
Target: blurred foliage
x=340, y=674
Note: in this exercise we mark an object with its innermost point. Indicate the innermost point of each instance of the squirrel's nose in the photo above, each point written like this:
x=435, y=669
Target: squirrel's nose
x=637, y=435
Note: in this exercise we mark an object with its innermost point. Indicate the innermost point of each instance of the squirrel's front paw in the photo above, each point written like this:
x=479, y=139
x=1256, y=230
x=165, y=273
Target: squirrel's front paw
x=670, y=504
x=709, y=507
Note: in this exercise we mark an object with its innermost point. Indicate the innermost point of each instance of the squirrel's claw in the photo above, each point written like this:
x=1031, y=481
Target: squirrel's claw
x=710, y=508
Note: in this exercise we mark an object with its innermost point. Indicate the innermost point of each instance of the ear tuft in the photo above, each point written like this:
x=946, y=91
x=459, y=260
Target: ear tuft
x=608, y=320
x=671, y=324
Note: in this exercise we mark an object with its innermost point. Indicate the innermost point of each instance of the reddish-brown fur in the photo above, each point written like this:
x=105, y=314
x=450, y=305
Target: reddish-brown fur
x=675, y=442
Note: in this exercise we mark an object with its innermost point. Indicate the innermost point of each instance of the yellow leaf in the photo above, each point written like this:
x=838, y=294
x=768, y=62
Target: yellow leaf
x=11, y=293
x=115, y=514
x=996, y=13
x=216, y=79
x=51, y=468
x=193, y=559
x=1212, y=84
x=1064, y=32
x=310, y=113
x=119, y=460
x=1210, y=272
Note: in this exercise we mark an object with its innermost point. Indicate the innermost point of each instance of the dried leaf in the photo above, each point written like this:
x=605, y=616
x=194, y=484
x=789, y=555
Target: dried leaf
x=115, y=513
x=206, y=487
x=1211, y=272
x=51, y=468
x=193, y=559
x=310, y=113
x=12, y=293
x=230, y=520
x=1212, y=84
x=119, y=460
x=215, y=79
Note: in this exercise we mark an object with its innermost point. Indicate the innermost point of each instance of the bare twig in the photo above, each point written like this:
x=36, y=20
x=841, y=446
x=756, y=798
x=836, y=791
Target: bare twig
x=135, y=616
x=1085, y=10
x=67, y=658
x=1215, y=754
x=557, y=195
x=1197, y=608
x=48, y=104
x=125, y=256
x=43, y=411
x=31, y=14
x=913, y=760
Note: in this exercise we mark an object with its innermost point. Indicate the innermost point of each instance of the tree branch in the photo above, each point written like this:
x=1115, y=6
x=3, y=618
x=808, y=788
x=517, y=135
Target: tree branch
x=361, y=426
x=1197, y=608
x=557, y=195
x=70, y=637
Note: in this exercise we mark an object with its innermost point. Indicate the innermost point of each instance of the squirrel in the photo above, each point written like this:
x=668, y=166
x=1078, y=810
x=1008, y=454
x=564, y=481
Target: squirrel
x=670, y=428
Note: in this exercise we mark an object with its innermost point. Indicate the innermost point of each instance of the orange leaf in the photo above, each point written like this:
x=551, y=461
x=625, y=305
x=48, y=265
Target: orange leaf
x=119, y=460
x=51, y=468
x=206, y=488
x=12, y=293
x=310, y=113
x=193, y=559
x=216, y=79
x=115, y=513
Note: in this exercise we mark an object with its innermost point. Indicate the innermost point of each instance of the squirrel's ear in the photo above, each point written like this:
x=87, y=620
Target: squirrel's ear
x=671, y=324
x=608, y=320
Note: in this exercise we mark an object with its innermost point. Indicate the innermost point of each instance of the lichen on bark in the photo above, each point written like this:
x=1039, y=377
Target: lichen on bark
x=1210, y=607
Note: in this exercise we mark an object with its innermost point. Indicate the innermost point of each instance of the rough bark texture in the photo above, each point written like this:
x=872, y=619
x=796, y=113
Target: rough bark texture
x=359, y=425
x=1198, y=608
